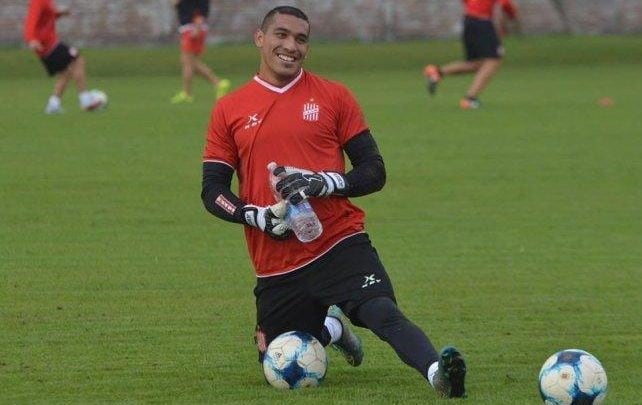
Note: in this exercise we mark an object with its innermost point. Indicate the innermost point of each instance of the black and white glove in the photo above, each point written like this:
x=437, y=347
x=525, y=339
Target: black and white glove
x=269, y=219
x=298, y=184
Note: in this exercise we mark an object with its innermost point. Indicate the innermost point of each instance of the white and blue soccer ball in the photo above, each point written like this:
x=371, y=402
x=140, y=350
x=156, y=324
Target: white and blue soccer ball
x=572, y=377
x=295, y=360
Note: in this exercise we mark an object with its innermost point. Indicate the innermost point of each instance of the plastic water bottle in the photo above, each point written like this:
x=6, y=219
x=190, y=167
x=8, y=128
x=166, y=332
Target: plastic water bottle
x=300, y=217
x=303, y=221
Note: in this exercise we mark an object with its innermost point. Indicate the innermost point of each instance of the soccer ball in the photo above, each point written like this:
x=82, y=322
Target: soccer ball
x=295, y=360
x=99, y=100
x=572, y=377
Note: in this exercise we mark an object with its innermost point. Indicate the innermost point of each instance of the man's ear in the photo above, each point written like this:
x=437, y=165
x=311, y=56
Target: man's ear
x=258, y=38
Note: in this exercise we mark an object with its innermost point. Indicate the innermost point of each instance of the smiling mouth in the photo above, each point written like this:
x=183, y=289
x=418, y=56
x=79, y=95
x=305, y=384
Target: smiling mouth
x=285, y=58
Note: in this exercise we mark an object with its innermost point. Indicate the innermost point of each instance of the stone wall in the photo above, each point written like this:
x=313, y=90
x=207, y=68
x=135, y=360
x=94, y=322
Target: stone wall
x=100, y=22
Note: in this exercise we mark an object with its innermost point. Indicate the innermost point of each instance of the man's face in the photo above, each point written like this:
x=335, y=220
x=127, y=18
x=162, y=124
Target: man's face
x=283, y=47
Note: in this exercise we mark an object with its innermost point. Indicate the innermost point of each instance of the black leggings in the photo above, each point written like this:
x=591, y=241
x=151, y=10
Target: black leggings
x=382, y=316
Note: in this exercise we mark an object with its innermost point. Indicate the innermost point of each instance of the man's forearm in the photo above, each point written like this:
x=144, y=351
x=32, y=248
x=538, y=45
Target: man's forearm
x=368, y=174
x=217, y=195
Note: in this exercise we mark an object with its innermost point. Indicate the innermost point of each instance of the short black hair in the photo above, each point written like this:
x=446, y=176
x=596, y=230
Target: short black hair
x=289, y=10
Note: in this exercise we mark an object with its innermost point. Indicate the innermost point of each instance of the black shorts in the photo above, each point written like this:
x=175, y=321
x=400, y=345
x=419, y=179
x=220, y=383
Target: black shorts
x=348, y=275
x=481, y=40
x=58, y=59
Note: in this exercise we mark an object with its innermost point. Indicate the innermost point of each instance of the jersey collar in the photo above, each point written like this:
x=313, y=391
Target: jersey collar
x=275, y=89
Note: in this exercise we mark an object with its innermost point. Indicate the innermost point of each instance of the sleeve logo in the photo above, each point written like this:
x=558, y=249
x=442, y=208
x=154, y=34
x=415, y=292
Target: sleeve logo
x=224, y=203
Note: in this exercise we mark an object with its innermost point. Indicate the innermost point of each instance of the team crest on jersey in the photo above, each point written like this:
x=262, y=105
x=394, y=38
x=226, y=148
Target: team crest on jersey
x=311, y=111
x=252, y=121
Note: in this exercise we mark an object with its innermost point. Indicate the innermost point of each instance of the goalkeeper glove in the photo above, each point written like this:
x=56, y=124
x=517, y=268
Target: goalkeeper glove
x=269, y=219
x=298, y=184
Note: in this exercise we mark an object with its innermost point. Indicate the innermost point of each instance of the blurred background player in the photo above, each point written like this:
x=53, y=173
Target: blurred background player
x=58, y=58
x=482, y=46
x=193, y=31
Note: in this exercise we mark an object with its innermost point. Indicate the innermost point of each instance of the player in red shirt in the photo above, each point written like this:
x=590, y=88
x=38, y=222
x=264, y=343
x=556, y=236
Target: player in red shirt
x=57, y=58
x=193, y=30
x=301, y=120
x=483, y=48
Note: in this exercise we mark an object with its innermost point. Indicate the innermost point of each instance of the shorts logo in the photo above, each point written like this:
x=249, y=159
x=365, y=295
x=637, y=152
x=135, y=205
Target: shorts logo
x=252, y=121
x=311, y=111
x=370, y=280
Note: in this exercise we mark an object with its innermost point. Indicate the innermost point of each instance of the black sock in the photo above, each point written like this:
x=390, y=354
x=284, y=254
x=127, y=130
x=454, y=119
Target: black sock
x=325, y=337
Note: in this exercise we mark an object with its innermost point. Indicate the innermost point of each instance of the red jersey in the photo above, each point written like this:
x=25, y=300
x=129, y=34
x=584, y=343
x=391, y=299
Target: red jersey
x=484, y=8
x=40, y=24
x=304, y=124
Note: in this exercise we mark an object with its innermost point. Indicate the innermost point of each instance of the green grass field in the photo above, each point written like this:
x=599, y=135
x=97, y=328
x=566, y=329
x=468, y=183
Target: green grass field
x=513, y=231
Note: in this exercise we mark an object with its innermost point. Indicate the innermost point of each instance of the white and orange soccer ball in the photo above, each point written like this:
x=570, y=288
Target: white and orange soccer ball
x=98, y=102
x=295, y=360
